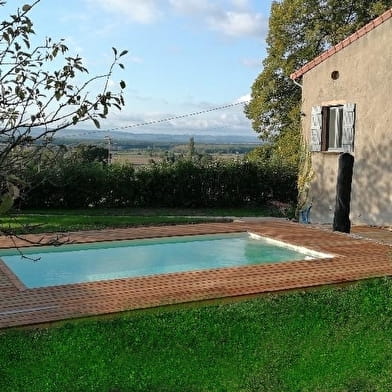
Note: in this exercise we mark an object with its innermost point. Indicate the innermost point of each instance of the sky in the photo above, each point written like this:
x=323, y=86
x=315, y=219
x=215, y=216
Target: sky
x=184, y=56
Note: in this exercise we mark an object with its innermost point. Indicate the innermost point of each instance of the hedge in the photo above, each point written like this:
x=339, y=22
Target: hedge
x=184, y=183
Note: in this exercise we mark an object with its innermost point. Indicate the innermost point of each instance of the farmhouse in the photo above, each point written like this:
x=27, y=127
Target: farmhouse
x=347, y=107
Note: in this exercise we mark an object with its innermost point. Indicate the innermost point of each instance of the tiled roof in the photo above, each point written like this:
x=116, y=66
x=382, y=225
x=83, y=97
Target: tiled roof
x=342, y=44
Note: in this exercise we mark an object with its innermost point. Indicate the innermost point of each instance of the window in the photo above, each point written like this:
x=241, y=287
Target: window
x=332, y=128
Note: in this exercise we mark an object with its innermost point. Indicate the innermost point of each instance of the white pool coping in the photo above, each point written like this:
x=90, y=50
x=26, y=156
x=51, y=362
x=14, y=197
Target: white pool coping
x=309, y=253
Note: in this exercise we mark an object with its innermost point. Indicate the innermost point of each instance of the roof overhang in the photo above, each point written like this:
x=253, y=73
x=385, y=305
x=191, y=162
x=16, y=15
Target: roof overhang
x=342, y=44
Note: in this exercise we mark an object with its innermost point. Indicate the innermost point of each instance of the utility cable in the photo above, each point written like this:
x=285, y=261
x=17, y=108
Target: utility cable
x=141, y=124
x=167, y=119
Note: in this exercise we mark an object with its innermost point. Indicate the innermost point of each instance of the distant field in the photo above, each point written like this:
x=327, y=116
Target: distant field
x=134, y=158
x=227, y=157
x=140, y=159
x=139, y=156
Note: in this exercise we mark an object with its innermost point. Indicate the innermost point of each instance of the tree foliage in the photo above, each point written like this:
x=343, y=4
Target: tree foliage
x=42, y=90
x=182, y=183
x=87, y=153
x=299, y=30
x=282, y=151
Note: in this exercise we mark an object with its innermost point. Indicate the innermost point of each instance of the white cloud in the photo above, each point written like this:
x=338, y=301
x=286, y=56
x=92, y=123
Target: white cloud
x=237, y=24
x=241, y=4
x=140, y=11
x=234, y=18
x=192, y=7
x=231, y=121
x=244, y=98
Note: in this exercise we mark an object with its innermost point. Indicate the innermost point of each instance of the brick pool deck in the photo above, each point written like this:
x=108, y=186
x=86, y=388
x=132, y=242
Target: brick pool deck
x=355, y=258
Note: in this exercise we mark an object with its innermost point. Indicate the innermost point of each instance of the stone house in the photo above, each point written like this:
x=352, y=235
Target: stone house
x=347, y=107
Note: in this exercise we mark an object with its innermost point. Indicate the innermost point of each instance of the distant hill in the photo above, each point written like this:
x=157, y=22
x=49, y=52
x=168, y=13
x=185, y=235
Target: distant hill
x=85, y=135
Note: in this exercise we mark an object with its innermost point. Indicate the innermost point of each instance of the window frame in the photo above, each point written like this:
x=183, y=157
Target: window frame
x=325, y=128
x=318, y=138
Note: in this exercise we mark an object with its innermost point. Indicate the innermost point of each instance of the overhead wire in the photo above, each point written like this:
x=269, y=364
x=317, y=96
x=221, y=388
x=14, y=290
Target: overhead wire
x=162, y=120
x=141, y=124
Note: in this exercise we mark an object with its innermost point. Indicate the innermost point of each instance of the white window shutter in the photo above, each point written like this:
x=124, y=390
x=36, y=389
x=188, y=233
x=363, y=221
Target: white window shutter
x=316, y=126
x=348, y=127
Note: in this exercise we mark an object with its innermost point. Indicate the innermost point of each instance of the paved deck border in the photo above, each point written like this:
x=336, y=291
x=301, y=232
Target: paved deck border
x=355, y=258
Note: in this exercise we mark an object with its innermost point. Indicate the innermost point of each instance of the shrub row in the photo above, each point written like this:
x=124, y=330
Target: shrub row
x=183, y=183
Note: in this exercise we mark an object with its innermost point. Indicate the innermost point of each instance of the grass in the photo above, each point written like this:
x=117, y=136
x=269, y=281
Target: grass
x=243, y=211
x=331, y=339
x=39, y=221
x=27, y=223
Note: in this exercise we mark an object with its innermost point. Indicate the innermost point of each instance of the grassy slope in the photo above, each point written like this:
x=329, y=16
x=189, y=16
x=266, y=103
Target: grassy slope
x=325, y=340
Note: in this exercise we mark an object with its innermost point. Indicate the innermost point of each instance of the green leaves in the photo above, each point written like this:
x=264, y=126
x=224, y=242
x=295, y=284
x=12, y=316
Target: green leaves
x=79, y=181
x=6, y=203
x=96, y=123
x=123, y=53
x=26, y=8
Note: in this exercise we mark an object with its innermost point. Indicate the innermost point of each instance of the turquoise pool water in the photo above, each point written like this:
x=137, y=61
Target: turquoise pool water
x=78, y=263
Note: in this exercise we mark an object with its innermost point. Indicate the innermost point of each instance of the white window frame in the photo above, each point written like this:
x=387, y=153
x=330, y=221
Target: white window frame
x=319, y=128
x=338, y=128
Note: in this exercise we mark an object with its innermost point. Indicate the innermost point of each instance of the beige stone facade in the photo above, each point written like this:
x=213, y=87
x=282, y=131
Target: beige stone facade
x=365, y=79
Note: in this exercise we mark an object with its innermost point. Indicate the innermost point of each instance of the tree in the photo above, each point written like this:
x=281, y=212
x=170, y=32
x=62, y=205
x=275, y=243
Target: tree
x=36, y=101
x=87, y=153
x=282, y=151
x=191, y=147
x=299, y=30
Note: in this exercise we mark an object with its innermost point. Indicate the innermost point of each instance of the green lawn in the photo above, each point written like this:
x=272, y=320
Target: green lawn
x=27, y=223
x=331, y=339
x=243, y=211
x=36, y=221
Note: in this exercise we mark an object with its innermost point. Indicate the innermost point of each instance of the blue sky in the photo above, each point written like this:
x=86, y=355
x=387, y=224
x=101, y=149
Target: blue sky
x=184, y=55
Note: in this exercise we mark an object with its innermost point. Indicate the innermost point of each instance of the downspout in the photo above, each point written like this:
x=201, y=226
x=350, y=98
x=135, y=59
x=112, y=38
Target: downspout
x=297, y=84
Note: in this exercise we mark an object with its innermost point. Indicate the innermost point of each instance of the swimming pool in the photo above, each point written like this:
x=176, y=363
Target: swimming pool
x=77, y=263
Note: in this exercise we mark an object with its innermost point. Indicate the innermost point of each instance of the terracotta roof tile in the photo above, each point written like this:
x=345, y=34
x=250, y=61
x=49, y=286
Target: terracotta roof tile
x=342, y=44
